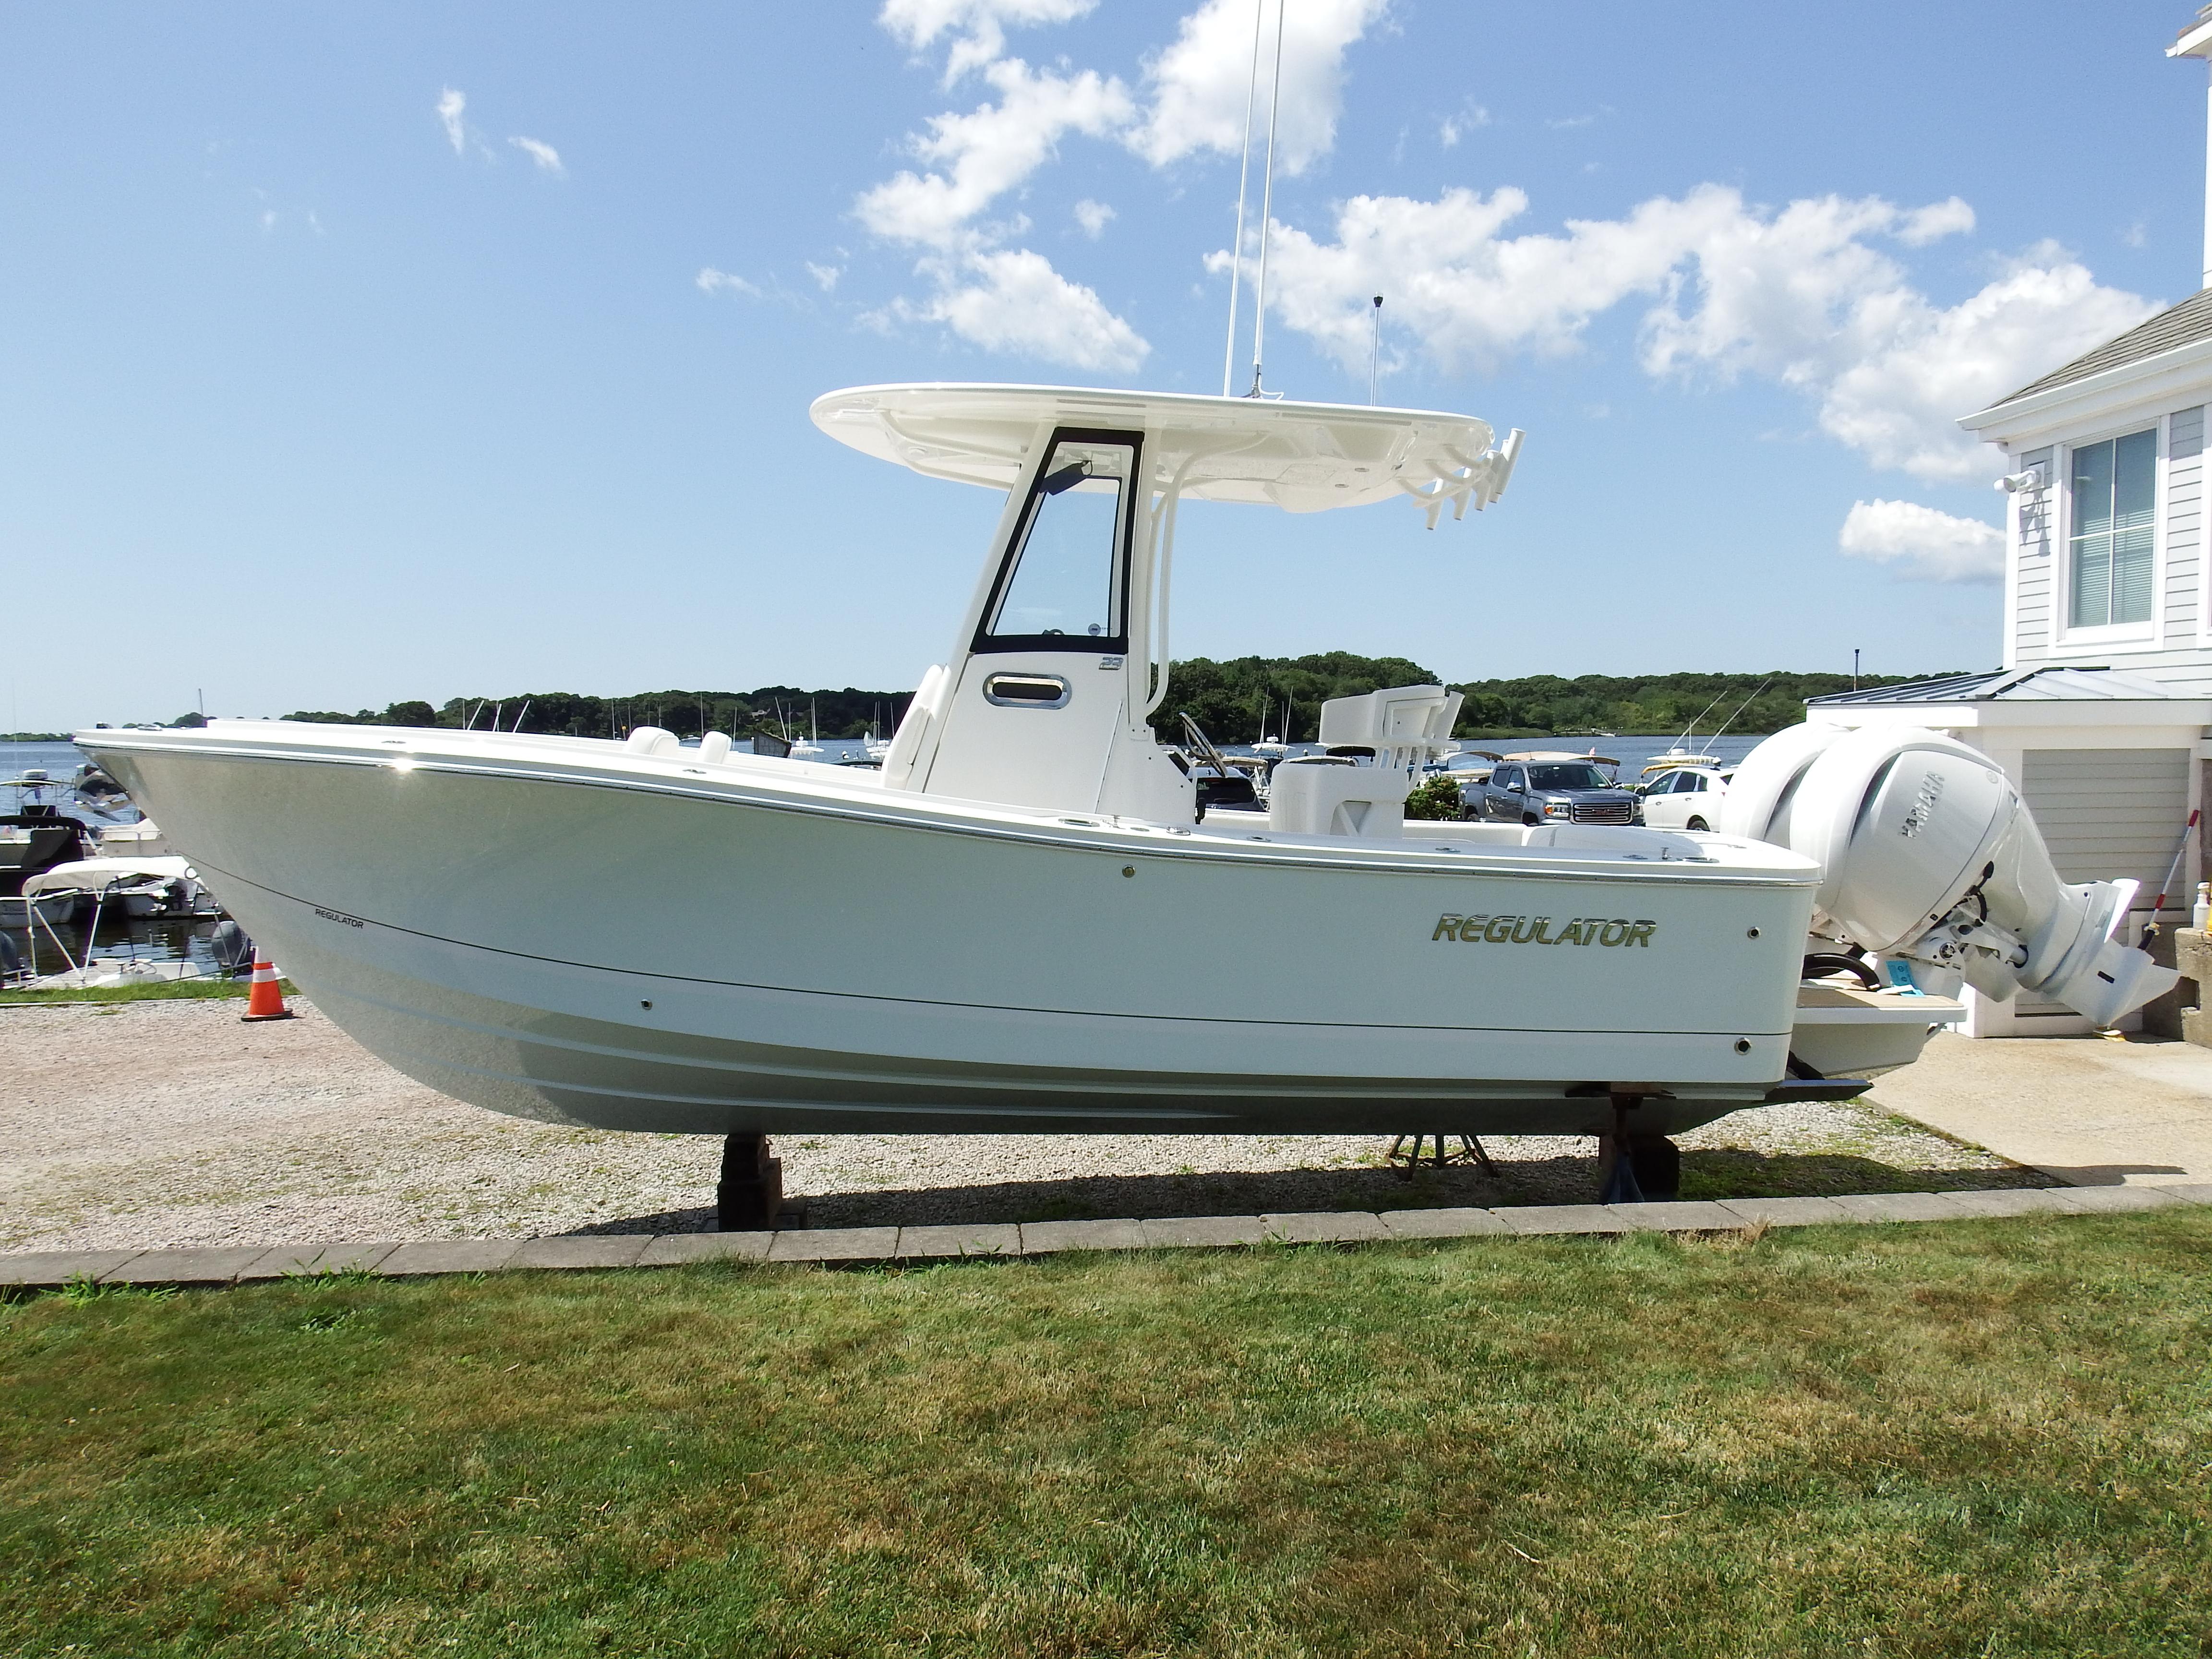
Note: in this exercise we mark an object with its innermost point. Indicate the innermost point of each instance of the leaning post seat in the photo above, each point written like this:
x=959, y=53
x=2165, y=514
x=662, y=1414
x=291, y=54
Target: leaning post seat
x=1404, y=724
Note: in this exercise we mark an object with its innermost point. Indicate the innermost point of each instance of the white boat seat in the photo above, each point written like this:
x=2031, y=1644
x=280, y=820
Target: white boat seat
x=652, y=740
x=1318, y=796
x=1405, y=725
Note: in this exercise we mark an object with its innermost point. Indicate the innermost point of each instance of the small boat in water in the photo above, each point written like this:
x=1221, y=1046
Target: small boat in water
x=1022, y=923
x=32, y=841
x=138, y=888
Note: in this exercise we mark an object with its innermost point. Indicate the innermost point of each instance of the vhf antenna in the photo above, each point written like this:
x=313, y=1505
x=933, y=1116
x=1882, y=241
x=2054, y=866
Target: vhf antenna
x=1244, y=178
x=1374, y=353
x=1267, y=206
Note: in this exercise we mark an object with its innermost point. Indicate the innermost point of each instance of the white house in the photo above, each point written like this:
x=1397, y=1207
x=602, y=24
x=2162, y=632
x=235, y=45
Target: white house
x=2102, y=711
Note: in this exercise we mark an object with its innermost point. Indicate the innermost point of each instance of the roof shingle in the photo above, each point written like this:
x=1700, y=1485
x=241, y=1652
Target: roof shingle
x=2172, y=328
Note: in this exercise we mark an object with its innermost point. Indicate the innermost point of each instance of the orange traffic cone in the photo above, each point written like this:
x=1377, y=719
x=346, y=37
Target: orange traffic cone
x=266, y=1000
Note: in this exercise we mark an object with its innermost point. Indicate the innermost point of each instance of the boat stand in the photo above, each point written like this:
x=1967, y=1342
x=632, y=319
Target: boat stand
x=1405, y=1162
x=749, y=1195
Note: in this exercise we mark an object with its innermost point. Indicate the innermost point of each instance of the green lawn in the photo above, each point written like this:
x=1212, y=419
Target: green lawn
x=174, y=990
x=1978, y=1438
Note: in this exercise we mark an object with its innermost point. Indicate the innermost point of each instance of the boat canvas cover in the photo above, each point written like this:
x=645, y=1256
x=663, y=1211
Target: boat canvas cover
x=1303, y=458
x=98, y=875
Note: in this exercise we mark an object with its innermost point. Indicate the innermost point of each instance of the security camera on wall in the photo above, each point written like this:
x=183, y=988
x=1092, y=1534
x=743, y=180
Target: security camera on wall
x=2013, y=482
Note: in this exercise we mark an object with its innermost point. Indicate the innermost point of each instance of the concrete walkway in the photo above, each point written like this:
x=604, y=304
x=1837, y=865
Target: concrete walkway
x=899, y=1246
x=2088, y=1111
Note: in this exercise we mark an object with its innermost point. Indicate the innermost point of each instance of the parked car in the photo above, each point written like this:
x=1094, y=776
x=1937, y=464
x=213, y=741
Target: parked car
x=1687, y=798
x=1550, y=788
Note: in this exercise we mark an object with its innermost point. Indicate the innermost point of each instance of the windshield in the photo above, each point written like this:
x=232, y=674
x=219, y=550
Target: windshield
x=1579, y=775
x=1063, y=587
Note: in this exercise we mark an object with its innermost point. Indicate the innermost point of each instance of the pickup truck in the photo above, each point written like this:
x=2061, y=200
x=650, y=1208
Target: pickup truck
x=1554, y=788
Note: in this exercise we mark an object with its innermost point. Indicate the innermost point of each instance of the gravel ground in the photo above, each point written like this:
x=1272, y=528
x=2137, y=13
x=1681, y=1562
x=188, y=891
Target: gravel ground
x=141, y=1124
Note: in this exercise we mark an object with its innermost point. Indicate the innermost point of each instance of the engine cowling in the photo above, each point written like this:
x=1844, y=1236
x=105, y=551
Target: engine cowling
x=1928, y=853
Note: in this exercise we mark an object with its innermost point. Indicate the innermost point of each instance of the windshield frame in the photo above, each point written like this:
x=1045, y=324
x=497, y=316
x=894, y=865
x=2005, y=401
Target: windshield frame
x=1104, y=645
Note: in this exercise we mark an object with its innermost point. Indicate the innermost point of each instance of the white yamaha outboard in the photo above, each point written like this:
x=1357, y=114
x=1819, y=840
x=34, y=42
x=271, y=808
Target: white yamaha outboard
x=1928, y=853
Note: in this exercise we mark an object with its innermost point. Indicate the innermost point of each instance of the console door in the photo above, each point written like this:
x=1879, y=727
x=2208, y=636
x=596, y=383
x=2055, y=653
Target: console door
x=1033, y=713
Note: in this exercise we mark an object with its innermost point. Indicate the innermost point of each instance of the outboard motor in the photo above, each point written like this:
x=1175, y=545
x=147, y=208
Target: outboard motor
x=1928, y=853
x=234, y=950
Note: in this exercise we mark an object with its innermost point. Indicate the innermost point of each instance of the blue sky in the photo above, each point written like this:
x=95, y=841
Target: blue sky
x=352, y=353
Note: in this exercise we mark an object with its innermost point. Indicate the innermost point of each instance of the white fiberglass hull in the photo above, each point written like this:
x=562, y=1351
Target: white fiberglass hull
x=564, y=930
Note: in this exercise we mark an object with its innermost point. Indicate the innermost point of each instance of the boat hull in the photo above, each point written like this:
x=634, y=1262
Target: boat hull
x=649, y=945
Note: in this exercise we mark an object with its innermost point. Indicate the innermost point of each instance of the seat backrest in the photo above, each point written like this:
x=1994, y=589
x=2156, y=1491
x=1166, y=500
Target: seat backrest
x=1405, y=725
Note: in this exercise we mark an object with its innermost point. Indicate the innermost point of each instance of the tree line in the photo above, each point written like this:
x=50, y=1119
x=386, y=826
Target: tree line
x=1233, y=701
x=1238, y=700
x=784, y=710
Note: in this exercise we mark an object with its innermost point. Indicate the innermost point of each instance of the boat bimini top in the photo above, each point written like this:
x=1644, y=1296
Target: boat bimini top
x=1045, y=698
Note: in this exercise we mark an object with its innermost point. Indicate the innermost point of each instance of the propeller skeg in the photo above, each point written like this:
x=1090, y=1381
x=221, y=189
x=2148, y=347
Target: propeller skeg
x=1928, y=853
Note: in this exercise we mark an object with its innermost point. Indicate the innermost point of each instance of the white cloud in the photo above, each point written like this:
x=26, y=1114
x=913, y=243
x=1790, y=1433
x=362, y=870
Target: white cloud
x=1800, y=295
x=547, y=157
x=1921, y=366
x=1013, y=301
x=711, y=281
x=450, y=105
x=1200, y=83
x=1935, y=221
x=1094, y=218
x=979, y=26
x=990, y=150
x=1460, y=122
x=825, y=277
x=1922, y=542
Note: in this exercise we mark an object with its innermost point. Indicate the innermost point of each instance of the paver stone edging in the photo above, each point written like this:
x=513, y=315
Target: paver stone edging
x=855, y=1246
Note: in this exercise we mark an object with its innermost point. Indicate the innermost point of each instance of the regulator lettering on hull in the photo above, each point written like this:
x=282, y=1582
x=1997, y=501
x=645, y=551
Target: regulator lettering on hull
x=1543, y=930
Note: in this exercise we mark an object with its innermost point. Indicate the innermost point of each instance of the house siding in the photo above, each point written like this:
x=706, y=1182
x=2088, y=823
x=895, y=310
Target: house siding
x=2185, y=533
x=2106, y=814
x=2032, y=563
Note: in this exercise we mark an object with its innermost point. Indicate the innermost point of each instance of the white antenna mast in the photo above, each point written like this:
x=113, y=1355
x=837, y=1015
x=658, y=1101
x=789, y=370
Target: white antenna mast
x=1374, y=353
x=1243, y=177
x=1267, y=205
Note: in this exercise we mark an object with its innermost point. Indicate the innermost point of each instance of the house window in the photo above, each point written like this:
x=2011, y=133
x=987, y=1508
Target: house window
x=2110, y=546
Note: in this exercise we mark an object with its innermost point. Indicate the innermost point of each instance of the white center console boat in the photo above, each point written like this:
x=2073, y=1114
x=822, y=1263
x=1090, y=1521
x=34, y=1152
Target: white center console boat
x=1023, y=921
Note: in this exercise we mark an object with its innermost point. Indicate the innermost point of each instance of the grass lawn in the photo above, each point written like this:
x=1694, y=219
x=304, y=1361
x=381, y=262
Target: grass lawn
x=174, y=990
x=1973, y=1439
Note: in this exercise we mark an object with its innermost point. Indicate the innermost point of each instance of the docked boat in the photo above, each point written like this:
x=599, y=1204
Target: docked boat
x=32, y=841
x=1022, y=923
x=141, y=889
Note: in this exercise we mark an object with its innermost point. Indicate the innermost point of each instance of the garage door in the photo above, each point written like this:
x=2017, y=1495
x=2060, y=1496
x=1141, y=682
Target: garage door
x=2106, y=814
